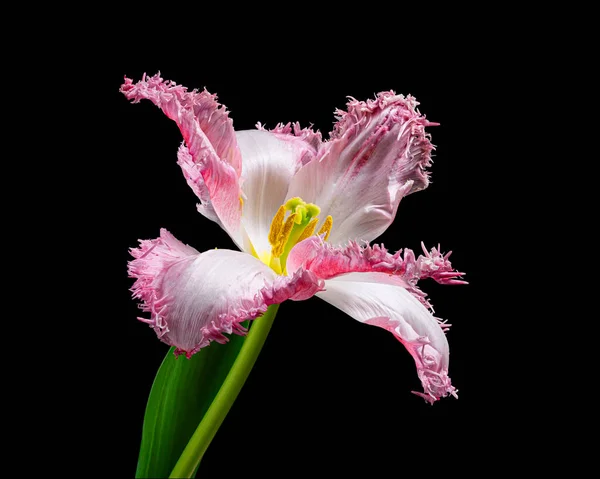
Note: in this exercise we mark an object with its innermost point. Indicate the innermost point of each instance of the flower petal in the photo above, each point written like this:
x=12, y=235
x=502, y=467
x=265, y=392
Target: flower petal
x=211, y=160
x=328, y=261
x=305, y=139
x=194, y=298
x=380, y=288
x=270, y=160
x=377, y=154
x=378, y=299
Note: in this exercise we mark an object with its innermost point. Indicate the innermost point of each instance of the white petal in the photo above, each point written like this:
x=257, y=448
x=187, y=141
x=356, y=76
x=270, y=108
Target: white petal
x=379, y=299
x=210, y=158
x=376, y=155
x=195, y=297
x=268, y=165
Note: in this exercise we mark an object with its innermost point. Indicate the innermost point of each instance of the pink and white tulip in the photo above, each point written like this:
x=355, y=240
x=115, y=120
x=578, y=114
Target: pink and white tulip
x=302, y=211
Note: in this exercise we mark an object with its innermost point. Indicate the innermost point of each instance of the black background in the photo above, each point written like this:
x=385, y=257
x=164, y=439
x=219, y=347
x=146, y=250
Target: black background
x=327, y=392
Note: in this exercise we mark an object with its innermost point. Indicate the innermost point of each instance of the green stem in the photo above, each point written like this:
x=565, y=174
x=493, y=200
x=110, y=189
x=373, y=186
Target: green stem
x=231, y=387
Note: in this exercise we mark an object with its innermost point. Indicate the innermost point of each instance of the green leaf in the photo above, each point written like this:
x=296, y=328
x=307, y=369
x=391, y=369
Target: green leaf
x=181, y=394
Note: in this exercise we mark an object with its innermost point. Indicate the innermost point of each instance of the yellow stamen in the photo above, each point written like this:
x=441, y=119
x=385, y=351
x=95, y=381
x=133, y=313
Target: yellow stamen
x=287, y=228
x=326, y=228
x=276, y=225
x=309, y=230
x=241, y=202
x=284, y=232
x=284, y=235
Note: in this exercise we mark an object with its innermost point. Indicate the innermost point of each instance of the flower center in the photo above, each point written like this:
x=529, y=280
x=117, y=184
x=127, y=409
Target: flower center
x=285, y=232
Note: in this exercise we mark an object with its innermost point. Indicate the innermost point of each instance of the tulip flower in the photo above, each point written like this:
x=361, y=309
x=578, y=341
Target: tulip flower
x=303, y=212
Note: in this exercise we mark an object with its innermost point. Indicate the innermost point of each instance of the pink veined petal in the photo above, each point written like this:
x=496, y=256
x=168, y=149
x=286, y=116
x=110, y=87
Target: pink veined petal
x=377, y=154
x=270, y=160
x=195, y=181
x=195, y=298
x=377, y=299
x=379, y=288
x=328, y=261
x=211, y=160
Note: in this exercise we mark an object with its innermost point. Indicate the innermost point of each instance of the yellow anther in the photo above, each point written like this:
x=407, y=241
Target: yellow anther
x=326, y=228
x=284, y=232
x=309, y=230
x=284, y=235
x=276, y=226
x=287, y=228
x=241, y=202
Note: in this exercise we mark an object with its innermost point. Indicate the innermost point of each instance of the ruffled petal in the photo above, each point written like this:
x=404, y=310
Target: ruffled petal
x=328, y=261
x=270, y=160
x=195, y=181
x=379, y=288
x=380, y=300
x=306, y=140
x=377, y=154
x=210, y=159
x=194, y=298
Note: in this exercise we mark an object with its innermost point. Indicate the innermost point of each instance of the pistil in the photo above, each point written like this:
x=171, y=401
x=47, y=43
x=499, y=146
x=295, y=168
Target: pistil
x=284, y=232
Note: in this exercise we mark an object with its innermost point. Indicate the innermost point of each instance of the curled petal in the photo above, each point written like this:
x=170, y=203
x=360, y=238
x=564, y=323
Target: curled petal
x=195, y=180
x=270, y=161
x=379, y=288
x=211, y=160
x=328, y=261
x=195, y=298
x=377, y=154
x=378, y=299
